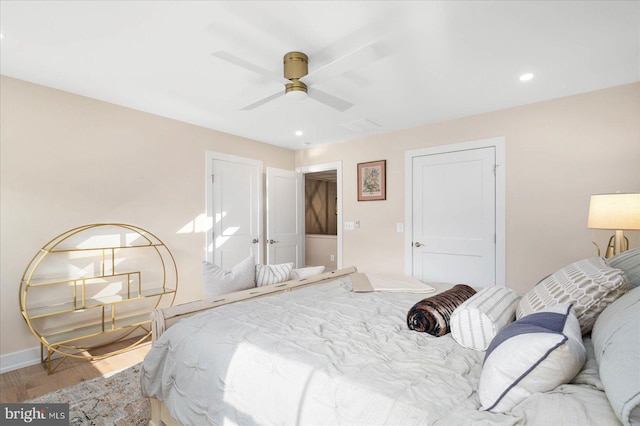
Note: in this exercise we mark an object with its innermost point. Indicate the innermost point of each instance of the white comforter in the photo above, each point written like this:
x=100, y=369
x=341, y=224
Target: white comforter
x=326, y=355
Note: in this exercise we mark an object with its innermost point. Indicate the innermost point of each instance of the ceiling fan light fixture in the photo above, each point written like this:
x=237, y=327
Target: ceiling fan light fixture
x=296, y=90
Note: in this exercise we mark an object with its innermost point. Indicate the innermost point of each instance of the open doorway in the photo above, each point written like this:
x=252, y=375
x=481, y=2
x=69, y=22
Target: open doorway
x=321, y=219
x=323, y=215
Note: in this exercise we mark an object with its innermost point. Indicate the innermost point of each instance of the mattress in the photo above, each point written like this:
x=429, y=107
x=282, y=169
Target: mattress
x=326, y=355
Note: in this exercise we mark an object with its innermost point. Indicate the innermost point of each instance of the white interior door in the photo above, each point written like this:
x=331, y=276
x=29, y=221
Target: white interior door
x=285, y=217
x=454, y=217
x=236, y=210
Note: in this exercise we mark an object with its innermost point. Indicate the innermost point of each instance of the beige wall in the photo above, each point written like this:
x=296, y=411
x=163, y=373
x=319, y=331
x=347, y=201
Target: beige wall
x=558, y=153
x=318, y=250
x=68, y=161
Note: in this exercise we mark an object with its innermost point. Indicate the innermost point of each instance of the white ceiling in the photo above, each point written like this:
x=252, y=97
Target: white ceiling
x=436, y=60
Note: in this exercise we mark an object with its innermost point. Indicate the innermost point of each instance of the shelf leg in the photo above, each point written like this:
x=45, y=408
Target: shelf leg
x=46, y=363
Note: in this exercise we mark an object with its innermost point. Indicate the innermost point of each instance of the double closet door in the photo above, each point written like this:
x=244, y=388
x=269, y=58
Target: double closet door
x=237, y=209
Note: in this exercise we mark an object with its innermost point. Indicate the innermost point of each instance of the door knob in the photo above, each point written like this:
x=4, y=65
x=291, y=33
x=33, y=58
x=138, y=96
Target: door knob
x=417, y=244
x=273, y=242
x=255, y=241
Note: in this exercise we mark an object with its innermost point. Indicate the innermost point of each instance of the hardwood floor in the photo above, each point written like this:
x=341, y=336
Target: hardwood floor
x=30, y=382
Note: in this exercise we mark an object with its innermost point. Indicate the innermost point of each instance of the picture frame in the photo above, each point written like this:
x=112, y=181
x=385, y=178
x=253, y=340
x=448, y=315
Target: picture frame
x=372, y=181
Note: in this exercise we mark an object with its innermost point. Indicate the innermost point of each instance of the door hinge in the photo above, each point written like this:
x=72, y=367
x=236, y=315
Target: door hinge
x=495, y=167
x=212, y=178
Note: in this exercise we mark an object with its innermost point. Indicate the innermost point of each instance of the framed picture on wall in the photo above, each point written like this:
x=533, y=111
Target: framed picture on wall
x=372, y=181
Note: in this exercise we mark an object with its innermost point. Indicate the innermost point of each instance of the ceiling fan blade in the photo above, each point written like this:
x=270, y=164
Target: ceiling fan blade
x=329, y=100
x=359, y=57
x=263, y=101
x=228, y=57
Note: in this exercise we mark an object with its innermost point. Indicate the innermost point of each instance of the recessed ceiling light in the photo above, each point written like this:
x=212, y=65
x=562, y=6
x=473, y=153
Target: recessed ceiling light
x=1, y=35
x=299, y=133
x=526, y=77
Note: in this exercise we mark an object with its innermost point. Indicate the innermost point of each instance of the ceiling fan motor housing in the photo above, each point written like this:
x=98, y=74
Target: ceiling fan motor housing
x=295, y=67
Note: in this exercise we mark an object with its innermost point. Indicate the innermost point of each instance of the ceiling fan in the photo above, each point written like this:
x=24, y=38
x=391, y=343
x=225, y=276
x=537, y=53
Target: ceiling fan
x=299, y=82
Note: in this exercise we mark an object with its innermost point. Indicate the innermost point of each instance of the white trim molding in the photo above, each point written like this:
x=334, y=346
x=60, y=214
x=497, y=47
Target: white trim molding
x=20, y=359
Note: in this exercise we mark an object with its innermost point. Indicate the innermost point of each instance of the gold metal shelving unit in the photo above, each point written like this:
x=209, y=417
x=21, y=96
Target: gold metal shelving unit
x=85, y=289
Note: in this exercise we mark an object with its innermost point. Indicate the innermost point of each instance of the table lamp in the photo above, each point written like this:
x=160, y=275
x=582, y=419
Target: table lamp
x=615, y=211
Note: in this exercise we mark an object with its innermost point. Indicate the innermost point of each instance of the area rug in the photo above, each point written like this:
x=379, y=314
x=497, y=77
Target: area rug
x=108, y=401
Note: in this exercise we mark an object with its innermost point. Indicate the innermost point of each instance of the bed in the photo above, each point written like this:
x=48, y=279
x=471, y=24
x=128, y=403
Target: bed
x=314, y=352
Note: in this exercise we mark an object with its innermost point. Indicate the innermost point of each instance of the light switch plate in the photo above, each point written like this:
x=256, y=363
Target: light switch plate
x=349, y=226
x=399, y=227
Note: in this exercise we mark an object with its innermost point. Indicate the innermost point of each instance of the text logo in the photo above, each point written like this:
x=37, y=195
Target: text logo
x=34, y=414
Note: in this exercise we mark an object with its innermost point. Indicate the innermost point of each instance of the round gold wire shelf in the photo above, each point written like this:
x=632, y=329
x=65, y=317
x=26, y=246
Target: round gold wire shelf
x=95, y=285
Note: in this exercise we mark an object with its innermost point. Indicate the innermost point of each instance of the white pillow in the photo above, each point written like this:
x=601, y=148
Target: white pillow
x=616, y=343
x=534, y=354
x=218, y=281
x=477, y=321
x=272, y=274
x=298, y=274
x=629, y=262
x=589, y=284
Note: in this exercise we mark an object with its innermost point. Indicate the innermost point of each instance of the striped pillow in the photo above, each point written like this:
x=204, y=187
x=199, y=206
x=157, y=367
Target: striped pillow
x=477, y=321
x=589, y=284
x=272, y=274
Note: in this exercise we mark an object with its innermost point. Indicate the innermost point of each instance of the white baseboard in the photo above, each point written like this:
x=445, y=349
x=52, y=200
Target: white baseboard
x=31, y=356
x=20, y=359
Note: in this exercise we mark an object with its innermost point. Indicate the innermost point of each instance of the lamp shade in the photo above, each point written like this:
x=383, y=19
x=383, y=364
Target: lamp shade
x=614, y=211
